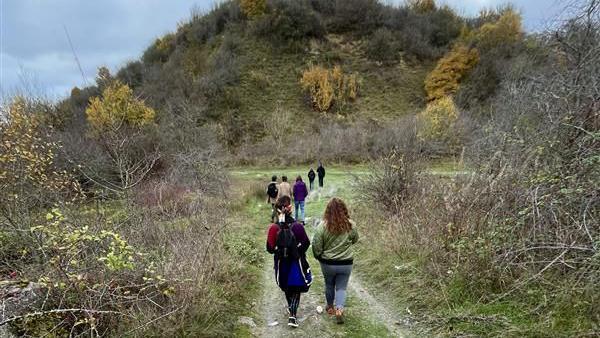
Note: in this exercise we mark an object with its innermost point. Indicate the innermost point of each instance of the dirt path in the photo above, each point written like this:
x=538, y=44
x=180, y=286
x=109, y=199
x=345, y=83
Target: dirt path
x=273, y=309
x=365, y=315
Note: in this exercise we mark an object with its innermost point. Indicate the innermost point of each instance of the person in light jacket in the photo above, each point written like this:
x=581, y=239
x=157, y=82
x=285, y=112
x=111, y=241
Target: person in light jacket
x=332, y=247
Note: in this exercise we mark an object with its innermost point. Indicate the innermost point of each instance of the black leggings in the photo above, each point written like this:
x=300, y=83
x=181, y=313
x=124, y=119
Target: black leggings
x=293, y=300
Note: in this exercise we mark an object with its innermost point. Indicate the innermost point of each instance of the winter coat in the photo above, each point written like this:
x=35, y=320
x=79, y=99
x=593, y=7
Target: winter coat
x=300, y=191
x=311, y=175
x=334, y=249
x=285, y=189
x=271, y=200
x=321, y=171
x=291, y=275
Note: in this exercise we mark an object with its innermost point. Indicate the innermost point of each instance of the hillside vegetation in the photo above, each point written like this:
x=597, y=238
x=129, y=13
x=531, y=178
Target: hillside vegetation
x=116, y=205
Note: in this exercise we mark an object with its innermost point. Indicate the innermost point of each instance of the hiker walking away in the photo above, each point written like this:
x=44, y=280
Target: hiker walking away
x=321, y=173
x=300, y=194
x=332, y=246
x=272, y=192
x=288, y=242
x=285, y=188
x=311, y=178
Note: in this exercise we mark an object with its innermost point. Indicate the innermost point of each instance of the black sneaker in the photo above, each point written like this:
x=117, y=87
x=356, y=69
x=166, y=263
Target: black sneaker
x=292, y=322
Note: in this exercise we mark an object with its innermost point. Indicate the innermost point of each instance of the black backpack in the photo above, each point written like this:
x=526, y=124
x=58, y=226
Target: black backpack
x=286, y=246
x=272, y=190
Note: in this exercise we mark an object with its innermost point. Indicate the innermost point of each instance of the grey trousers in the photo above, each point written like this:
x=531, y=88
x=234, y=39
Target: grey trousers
x=336, y=282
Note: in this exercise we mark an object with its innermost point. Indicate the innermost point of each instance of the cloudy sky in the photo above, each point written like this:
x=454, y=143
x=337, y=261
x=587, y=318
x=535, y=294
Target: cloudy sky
x=35, y=55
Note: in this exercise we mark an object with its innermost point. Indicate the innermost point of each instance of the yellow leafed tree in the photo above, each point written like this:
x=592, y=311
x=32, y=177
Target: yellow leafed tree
x=27, y=159
x=328, y=87
x=117, y=107
x=438, y=119
x=506, y=30
x=120, y=122
x=449, y=71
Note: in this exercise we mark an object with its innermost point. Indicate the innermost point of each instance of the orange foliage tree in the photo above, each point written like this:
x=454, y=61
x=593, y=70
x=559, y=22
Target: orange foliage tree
x=449, y=71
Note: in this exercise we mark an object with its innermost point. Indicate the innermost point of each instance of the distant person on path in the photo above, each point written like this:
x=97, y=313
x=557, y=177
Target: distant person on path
x=288, y=242
x=321, y=173
x=311, y=178
x=285, y=188
x=332, y=246
x=272, y=192
x=300, y=194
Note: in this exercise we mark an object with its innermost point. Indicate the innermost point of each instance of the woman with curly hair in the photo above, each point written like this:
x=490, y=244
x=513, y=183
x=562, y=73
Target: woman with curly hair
x=332, y=246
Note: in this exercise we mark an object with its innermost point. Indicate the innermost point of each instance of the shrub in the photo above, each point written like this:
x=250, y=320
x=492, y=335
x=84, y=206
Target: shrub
x=253, y=8
x=445, y=26
x=29, y=175
x=388, y=183
x=122, y=124
x=326, y=87
x=204, y=28
x=358, y=16
x=504, y=32
x=438, y=121
x=444, y=79
x=382, y=46
x=317, y=82
x=223, y=71
x=132, y=74
x=290, y=23
x=422, y=6
x=116, y=107
x=160, y=50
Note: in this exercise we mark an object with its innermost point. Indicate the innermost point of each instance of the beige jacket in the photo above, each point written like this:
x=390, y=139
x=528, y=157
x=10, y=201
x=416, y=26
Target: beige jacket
x=285, y=189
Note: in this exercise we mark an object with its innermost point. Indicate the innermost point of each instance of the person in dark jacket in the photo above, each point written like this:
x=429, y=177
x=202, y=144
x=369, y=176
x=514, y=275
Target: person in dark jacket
x=321, y=173
x=311, y=178
x=300, y=194
x=292, y=273
x=272, y=192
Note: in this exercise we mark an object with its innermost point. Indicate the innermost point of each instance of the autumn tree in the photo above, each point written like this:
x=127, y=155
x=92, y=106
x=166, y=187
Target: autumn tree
x=438, y=121
x=327, y=87
x=123, y=126
x=449, y=71
x=29, y=175
x=506, y=30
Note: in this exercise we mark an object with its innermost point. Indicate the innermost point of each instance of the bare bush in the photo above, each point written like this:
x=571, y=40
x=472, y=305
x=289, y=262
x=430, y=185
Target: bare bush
x=388, y=183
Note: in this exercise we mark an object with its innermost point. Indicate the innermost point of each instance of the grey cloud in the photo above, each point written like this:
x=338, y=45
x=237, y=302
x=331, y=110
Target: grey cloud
x=108, y=32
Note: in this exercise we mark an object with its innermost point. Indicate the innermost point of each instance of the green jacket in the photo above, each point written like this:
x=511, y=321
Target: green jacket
x=334, y=249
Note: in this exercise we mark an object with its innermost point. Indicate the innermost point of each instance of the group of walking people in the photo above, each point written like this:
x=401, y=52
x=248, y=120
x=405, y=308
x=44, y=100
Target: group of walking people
x=298, y=192
x=331, y=243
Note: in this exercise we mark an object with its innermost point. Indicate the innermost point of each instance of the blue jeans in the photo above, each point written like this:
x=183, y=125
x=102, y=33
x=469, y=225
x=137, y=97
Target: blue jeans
x=299, y=205
x=336, y=282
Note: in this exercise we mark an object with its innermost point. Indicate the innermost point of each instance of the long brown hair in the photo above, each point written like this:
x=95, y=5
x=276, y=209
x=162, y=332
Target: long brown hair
x=337, y=218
